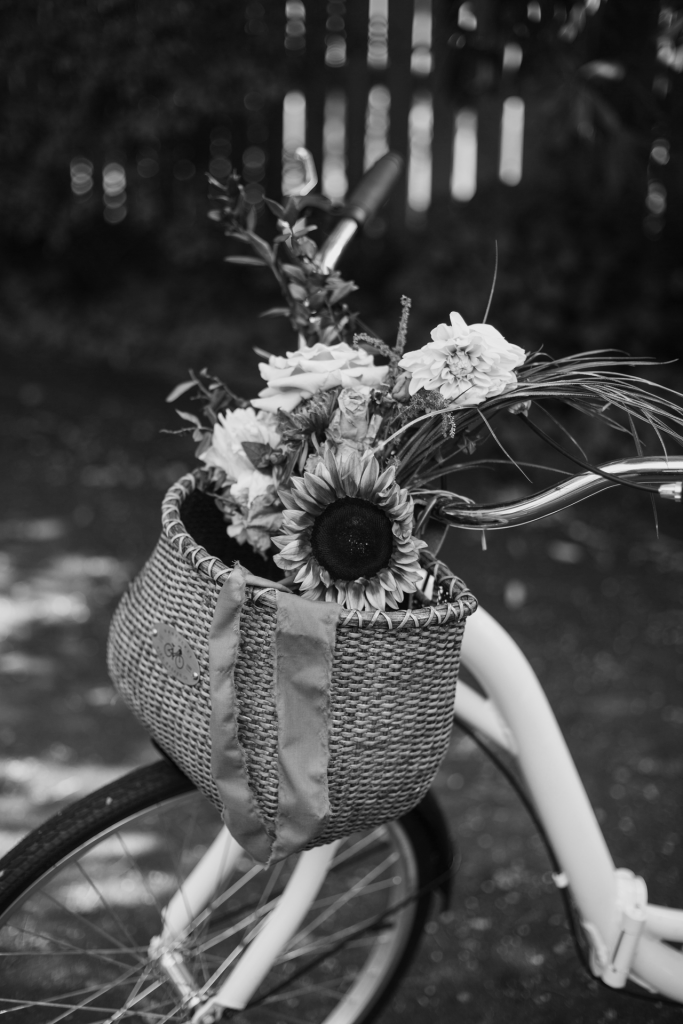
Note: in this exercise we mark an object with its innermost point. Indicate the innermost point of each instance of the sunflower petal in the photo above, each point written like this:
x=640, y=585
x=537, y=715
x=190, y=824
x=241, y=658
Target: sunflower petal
x=387, y=579
x=297, y=519
x=289, y=500
x=318, y=489
x=356, y=594
x=335, y=476
x=386, y=479
x=375, y=594
x=308, y=575
x=317, y=594
x=368, y=480
x=307, y=503
x=295, y=549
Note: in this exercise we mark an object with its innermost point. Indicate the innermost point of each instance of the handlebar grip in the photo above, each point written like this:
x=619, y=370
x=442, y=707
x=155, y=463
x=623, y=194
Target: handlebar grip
x=373, y=188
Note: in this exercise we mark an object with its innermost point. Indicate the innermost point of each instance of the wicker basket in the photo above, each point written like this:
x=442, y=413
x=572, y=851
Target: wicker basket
x=391, y=697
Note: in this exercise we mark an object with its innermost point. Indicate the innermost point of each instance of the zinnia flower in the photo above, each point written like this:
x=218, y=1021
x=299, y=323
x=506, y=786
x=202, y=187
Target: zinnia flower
x=226, y=451
x=254, y=523
x=348, y=533
x=303, y=373
x=465, y=364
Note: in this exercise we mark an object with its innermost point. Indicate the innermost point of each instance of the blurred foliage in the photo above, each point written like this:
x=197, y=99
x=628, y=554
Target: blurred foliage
x=117, y=80
x=589, y=241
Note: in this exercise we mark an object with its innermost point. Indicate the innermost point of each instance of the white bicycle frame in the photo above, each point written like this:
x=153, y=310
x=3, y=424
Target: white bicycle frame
x=626, y=934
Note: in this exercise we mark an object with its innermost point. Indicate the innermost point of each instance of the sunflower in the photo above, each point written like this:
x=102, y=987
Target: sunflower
x=348, y=533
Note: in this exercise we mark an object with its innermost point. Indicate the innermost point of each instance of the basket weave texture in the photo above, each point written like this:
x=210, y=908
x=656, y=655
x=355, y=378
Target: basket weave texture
x=391, y=697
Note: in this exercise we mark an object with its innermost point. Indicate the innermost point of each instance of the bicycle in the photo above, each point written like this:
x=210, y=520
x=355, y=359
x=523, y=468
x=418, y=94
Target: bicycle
x=135, y=902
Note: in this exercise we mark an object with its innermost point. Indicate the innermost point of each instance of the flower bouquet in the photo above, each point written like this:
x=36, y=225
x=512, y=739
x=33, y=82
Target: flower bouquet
x=334, y=473
x=293, y=642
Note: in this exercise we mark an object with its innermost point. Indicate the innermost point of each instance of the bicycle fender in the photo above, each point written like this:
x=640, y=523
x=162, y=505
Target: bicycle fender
x=428, y=829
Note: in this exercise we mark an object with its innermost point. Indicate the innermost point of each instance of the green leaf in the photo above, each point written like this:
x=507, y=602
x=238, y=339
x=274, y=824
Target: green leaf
x=257, y=453
x=258, y=244
x=342, y=291
x=275, y=208
x=276, y=311
x=191, y=418
x=180, y=389
x=329, y=334
x=291, y=270
x=297, y=291
x=204, y=443
x=246, y=261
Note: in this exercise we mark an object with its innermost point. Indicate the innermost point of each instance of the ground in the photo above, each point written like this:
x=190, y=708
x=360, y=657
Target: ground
x=593, y=596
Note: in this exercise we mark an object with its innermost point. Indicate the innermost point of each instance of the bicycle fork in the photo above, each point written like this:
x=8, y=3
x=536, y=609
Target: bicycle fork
x=260, y=948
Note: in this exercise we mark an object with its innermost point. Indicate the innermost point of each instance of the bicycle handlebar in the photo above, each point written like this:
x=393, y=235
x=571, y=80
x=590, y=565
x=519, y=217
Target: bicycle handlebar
x=665, y=473
x=366, y=199
x=373, y=188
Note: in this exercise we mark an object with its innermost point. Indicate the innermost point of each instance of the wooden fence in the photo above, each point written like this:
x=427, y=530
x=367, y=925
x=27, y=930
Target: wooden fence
x=364, y=76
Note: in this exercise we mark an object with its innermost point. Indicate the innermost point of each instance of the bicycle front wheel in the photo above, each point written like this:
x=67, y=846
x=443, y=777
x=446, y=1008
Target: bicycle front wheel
x=81, y=898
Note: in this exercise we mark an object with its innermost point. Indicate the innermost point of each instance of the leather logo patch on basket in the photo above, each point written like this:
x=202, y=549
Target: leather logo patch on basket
x=175, y=654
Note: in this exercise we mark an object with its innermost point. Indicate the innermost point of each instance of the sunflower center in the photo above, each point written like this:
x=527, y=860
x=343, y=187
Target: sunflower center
x=352, y=538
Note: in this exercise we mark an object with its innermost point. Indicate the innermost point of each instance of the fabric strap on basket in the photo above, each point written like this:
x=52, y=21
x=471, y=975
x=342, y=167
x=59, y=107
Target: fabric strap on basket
x=304, y=649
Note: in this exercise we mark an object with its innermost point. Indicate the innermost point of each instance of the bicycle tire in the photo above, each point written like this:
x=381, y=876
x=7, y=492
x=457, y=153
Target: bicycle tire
x=101, y=870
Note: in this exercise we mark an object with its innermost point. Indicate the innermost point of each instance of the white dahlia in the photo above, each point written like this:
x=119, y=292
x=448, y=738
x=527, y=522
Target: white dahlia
x=348, y=533
x=466, y=365
x=226, y=452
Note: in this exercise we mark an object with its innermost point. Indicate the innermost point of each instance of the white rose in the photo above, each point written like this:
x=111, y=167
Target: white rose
x=226, y=452
x=303, y=373
x=465, y=364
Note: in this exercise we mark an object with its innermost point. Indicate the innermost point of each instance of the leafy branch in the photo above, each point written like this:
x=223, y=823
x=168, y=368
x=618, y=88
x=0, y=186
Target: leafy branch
x=315, y=299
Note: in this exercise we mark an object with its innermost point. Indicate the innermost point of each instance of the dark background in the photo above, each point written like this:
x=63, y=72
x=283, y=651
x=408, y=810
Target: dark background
x=99, y=319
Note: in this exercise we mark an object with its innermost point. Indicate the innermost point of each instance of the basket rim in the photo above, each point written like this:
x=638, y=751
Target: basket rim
x=461, y=602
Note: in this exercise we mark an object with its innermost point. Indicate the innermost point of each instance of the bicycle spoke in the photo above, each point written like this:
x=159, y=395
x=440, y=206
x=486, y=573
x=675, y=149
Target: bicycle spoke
x=73, y=950
x=21, y=1004
x=352, y=851
x=242, y=925
x=345, y=897
x=228, y=894
x=176, y=858
x=297, y=993
x=271, y=883
x=330, y=941
x=105, y=903
x=136, y=996
x=136, y=867
x=102, y=990
x=78, y=992
x=91, y=924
